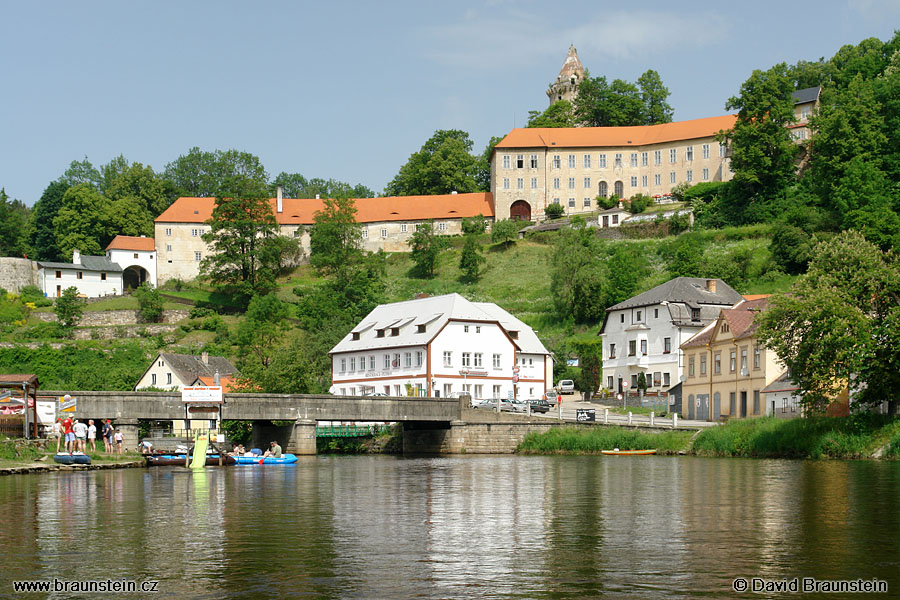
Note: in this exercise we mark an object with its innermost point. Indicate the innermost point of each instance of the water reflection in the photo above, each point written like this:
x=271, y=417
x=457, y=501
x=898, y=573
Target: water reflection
x=464, y=527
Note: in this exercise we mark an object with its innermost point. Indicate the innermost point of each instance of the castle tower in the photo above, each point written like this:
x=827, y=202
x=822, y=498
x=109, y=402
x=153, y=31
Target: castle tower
x=566, y=85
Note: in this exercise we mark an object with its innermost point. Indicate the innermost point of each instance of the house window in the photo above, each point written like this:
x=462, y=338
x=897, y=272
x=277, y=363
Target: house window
x=195, y=232
x=695, y=314
x=609, y=382
x=673, y=155
x=466, y=359
x=689, y=176
x=534, y=161
x=657, y=179
x=352, y=364
x=520, y=161
x=667, y=345
x=587, y=183
x=556, y=183
x=743, y=359
x=362, y=363
x=396, y=361
x=387, y=361
x=672, y=177
x=732, y=364
x=153, y=379
x=395, y=331
x=632, y=348
x=587, y=161
x=634, y=381
x=407, y=359
x=448, y=358
x=703, y=364
x=615, y=220
x=666, y=380
x=80, y=275
x=717, y=363
x=732, y=403
x=520, y=183
x=634, y=159
x=168, y=231
x=478, y=329
x=496, y=361
x=705, y=151
x=587, y=203
x=58, y=274
x=689, y=153
x=168, y=379
x=365, y=233
x=612, y=350
x=645, y=159
x=755, y=402
x=197, y=256
x=622, y=318
x=571, y=183
x=465, y=329
x=644, y=181
x=102, y=276
x=723, y=150
x=418, y=358
x=601, y=162
x=705, y=174
x=506, y=183
x=383, y=233
x=657, y=379
x=655, y=313
x=506, y=161
x=371, y=362
x=618, y=163
x=478, y=390
x=691, y=366
x=556, y=161
x=657, y=157
x=442, y=226
x=639, y=316
x=756, y=357
x=571, y=202
x=571, y=161
x=478, y=359
x=643, y=347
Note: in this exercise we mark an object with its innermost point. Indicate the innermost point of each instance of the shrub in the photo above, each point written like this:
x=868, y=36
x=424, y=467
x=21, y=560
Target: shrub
x=198, y=312
x=554, y=210
x=32, y=293
x=69, y=307
x=639, y=203
x=150, y=303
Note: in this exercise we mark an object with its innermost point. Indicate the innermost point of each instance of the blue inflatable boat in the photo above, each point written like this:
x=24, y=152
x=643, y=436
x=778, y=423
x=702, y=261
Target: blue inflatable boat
x=286, y=459
x=72, y=459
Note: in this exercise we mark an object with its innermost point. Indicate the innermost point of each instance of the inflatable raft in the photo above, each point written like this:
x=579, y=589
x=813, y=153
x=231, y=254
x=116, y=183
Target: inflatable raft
x=72, y=459
x=286, y=459
x=178, y=460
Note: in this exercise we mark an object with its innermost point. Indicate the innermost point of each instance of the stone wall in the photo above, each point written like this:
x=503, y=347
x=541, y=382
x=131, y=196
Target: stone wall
x=110, y=318
x=16, y=273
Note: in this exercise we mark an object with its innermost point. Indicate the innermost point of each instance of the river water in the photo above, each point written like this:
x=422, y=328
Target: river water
x=460, y=527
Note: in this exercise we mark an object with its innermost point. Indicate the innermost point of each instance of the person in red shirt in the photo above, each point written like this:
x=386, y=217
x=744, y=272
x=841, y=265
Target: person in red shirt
x=69, y=432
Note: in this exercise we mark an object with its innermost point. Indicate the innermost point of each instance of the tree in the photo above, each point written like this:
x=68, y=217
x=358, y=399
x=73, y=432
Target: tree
x=296, y=185
x=839, y=325
x=150, y=303
x=576, y=273
x=590, y=357
x=603, y=104
x=654, y=96
x=200, y=174
x=42, y=235
x=443, y=165
x=426, y=245
x=263, y=327
x=81, y=172
x=474, y=225
x=69, y=308
x=77, y=224
x=761, y=145
x=241, y=226
x=13, y=221
x=335, y=240
x=642, y=382
x=471, y=259
x=559, y=114
x=504, y=232
x=554, y=210
x=483, y=165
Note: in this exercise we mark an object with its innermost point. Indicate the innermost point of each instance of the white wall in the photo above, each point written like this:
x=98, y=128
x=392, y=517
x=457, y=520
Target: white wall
x=91, y=283
x=163, y=374
x=139, y=258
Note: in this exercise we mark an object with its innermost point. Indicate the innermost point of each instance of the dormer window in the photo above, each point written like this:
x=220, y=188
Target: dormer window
x=695, y=314
x=640, y=314
x=395, y=331
x=514, y=335
x=355, y=335
x=379, y=333
x=420, y=329
x=725, y=327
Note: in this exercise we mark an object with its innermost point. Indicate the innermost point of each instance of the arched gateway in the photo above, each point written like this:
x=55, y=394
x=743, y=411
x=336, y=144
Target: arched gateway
x=520, y=211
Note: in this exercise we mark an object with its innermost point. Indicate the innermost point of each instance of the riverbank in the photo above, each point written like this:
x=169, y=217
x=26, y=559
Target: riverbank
x=36, y=456
x=857, y=437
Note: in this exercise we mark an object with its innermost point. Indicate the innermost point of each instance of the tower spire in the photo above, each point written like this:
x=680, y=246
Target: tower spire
x=570, y=75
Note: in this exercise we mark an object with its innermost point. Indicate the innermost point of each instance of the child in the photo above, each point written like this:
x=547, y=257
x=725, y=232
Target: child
x=119, y=441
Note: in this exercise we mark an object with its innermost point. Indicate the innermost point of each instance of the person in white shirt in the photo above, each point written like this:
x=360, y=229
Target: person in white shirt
x=58, y=432
x=80, y=435
x=92, y=435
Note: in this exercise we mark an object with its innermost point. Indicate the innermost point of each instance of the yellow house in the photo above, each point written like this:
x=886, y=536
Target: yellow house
x=727, y=367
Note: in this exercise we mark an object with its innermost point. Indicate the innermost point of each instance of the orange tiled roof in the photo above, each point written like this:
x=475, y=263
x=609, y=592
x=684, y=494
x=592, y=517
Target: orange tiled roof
x=750, y=297
x=130, y=242
x=300, y=211
x=226, y=381
x=641, y=135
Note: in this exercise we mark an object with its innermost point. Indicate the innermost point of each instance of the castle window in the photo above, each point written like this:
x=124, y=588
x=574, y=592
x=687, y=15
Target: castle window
x=672, y=177
x=197, y=256
x=168, y=231
x=705, y=174
x=657, y=179
x=383, y=233
x=705, y=151
x=689, y=153
x=618, y=163
x=602, y=189
x=571, y=183
x=689, y=176
x=506, y=161
x=556, y=183
x=365, y=233
x=587, y=161
x=534, y=161
x=506, y=183
x=619, y=189
x=643, y=181
x=403, y=228
x=723, y=149
x=587, y=202
x=520, y=183
x=645, y=159
x=571, y=161
x=634, y=159
x=601, y=162
x=673, y=155
x=520, y=161
x=587, y=183
x=657, y=157
x=556, y=161
x=571, y=202
x=534, y=183
x=634, y=181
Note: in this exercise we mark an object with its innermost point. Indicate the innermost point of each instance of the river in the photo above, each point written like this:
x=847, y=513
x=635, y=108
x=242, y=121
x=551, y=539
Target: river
x=457, y=527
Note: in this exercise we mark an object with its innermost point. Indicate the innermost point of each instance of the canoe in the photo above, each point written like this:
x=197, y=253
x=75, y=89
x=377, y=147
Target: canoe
x=286, y=459
x=72, y=459
x=177, y=460
x=628, y=452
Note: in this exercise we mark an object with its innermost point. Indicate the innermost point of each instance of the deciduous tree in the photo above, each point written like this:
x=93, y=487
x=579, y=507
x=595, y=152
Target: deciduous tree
x=69, y=308
x=335, y=239
x=559, y=114
x=471, y=259
x=444, y=164
x=425, y=247
x=504, y=232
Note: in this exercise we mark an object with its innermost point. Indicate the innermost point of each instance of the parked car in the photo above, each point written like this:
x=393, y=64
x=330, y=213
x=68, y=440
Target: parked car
x=505, y=405
x=551, y=396
x=539, y=406
x=566, y=386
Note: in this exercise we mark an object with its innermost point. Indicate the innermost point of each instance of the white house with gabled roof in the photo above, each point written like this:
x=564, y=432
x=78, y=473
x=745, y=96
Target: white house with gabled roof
x=441, y=346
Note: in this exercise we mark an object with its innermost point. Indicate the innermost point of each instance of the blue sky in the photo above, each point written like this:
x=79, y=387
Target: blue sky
x=350, y=89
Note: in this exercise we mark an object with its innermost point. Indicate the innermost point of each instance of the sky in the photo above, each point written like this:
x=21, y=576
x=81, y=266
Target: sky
x=348, y=90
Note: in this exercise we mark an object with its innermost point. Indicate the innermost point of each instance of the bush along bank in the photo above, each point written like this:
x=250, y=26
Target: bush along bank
x=858, y=436
x=593, y=440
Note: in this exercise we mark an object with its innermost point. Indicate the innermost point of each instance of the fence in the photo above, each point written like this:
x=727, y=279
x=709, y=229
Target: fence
x=12, y=425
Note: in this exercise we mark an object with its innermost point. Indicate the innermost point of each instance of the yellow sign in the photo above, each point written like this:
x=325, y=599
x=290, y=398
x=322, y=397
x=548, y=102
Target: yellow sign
x=67, y=405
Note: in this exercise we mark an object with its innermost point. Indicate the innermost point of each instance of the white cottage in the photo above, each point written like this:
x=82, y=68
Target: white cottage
x=137, y=257
x=93, y=276
x=441, y=346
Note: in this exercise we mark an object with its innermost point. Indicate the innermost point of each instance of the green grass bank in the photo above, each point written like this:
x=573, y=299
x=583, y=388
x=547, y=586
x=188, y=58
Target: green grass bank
x=583, y=440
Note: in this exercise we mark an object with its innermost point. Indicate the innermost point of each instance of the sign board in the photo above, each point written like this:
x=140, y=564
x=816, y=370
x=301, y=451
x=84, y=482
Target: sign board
x=46, y=411
x=515, y=369
x=571, y=362
x=202, y=394
x=625, y=385
x=584, y=415
x=67, y=405
x=473, y=373
x=515, y=379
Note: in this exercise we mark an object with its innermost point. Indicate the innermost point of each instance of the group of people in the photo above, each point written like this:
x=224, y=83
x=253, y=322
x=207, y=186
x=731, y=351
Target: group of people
x=273, y=451
x=78, y=436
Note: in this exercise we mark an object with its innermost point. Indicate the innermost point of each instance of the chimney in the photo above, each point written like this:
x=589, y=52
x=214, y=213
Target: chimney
x=711, y=285
x=317, y=197
x=279, y=199
x=76, y=257
x=620, y=206
x=453, y=193
x=204, y=356
x=421, y=295
x=217, y=380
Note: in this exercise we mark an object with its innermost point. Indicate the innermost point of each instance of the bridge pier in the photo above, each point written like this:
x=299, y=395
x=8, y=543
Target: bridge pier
x=130, y=433
x=303, y=438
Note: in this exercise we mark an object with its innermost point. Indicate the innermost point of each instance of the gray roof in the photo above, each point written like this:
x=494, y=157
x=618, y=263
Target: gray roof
x=688, y=290
x=188, y=367
x=806, y=95
x=614, y=209
x=784, y=383
x=433, y=313
x=88, y=263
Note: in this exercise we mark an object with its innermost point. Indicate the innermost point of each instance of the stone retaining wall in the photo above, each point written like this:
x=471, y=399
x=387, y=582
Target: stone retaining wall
x=106, y=318
x=16, y=273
